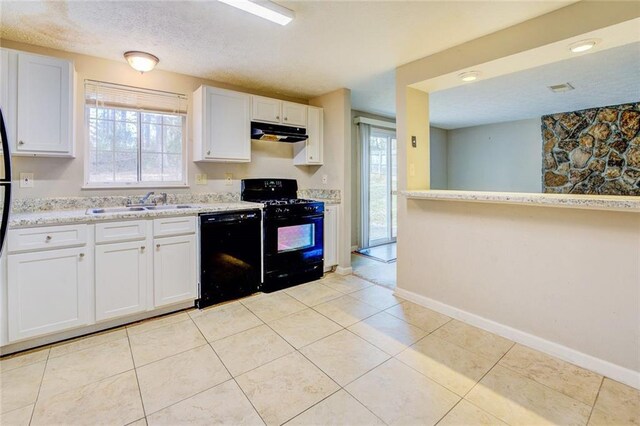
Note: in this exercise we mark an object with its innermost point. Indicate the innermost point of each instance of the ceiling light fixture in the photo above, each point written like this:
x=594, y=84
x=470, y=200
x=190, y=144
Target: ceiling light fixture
x=141, y=61
x=264, y=9
x=469, y=76
x=582, y=45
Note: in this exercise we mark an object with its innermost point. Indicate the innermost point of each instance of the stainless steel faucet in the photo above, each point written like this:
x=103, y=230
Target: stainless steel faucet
x=144, y=199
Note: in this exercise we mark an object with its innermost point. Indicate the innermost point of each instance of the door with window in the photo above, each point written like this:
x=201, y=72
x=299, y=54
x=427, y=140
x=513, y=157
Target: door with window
x=379, y=185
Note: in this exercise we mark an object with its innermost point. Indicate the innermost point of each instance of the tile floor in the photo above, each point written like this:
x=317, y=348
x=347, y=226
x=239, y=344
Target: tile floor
x=335, y=351
x=380, y=273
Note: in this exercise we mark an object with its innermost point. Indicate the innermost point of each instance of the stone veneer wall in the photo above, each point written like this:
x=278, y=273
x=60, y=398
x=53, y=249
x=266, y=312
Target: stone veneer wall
x=592, y=151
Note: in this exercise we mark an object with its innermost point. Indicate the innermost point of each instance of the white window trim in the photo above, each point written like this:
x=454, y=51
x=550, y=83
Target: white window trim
x=142, y=185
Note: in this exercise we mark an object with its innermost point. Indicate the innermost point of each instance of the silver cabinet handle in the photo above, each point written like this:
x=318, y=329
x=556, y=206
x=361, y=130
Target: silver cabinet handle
x=142, y=248
x=81, y=255
x=311, y=157
x=21, y=143
x=277, y=117
x=157, y=246
x=285, y=119
x=48, y=238
x=208, y=152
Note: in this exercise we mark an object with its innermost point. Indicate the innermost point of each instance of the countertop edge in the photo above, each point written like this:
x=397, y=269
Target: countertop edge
x=583, y=202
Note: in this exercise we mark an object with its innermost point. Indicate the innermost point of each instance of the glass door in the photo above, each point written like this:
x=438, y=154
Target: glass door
x=381, y=184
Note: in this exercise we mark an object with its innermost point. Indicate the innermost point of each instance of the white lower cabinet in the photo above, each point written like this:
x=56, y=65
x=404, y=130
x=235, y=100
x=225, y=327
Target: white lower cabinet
x=121, y=279
x=174, y=269
x=330, y=236
x=48, y=291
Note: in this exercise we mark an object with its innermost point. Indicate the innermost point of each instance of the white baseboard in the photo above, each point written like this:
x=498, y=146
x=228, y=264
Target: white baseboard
x=581, y=359
x=344, y=271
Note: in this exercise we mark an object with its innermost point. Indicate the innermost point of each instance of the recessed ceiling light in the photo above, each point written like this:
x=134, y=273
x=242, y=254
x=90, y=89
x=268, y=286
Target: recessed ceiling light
x=264, y=9
x=141, y=61
x=469, y=75
x=582, y=45
x=558, y=88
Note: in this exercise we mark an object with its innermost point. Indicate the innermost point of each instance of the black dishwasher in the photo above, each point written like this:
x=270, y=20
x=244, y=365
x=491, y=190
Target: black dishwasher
x=230, y=256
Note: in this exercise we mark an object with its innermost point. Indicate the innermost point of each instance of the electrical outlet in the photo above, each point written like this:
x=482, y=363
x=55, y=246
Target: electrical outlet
x=412, y=169
x=26, y=180
x=228, y=179
x=201, y=179
x=325, y=179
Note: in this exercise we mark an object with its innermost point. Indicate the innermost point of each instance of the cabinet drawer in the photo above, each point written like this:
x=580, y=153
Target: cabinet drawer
x=121, y=231
x=174, y=226
x=46, y=237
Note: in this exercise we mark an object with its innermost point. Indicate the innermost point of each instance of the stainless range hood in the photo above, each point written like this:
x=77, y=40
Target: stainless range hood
x=277, y=133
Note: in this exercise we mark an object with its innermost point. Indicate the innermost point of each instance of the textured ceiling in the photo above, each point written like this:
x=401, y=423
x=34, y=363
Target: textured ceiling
x=608, y=77
x=330, y=44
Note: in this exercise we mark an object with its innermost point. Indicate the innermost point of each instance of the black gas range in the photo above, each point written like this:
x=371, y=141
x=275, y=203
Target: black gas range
x=293, y=230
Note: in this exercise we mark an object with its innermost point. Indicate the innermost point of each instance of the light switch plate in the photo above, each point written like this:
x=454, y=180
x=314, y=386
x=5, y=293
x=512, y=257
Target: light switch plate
x=26, y=180
x=201, y=179
x=414, y=142
x=228, y=179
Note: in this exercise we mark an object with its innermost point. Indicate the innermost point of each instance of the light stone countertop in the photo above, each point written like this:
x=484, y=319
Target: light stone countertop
x=588, y=202
x=66, y=217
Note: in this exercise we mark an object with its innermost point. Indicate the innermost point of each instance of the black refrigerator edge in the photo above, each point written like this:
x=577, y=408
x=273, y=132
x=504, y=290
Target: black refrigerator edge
x=5, y=182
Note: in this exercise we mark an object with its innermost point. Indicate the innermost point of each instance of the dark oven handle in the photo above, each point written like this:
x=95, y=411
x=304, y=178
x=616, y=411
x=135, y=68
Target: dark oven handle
x=282, y=219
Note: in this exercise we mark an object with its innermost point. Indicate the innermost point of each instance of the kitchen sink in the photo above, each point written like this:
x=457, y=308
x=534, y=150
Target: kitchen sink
x=108, y=210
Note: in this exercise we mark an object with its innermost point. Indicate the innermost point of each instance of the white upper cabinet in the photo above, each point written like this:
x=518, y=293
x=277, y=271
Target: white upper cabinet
x=266, y=109
x=294, y=114
x=275, y=111
x=38, y=95
x=222, y=125
x=310, y=152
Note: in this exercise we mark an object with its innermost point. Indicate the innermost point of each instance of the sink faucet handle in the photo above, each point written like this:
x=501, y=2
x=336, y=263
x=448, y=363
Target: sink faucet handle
x=164, y=197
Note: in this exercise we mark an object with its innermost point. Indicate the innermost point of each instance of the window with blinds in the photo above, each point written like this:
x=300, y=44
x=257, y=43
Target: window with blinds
x=135, y=137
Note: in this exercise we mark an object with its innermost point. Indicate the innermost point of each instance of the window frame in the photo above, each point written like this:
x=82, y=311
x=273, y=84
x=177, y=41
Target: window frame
x=184, y=183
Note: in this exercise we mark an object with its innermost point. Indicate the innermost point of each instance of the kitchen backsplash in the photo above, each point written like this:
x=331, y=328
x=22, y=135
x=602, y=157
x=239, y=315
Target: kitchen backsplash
x=592, y=151
x=26, y=205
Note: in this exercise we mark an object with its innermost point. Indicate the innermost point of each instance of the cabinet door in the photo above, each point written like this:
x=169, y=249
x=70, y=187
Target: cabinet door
x=48, y=292
x=174, y=270
x=315, y=132
x=227, y=124
x=265, y=109
x=294, y=114
x=44, y=105
x=121, y=279
x=330, y=236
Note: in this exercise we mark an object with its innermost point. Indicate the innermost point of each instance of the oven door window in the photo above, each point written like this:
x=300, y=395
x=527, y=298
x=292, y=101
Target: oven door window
x=297, y=237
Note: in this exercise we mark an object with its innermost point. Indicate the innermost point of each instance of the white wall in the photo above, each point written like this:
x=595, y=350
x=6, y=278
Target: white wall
x=438, y=158
x=56, y=177
x=495, y=157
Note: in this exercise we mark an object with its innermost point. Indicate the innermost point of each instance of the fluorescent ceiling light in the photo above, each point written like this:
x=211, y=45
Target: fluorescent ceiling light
x=582, y=46
x=469, y=76
x=264, y=9
x=141, y=61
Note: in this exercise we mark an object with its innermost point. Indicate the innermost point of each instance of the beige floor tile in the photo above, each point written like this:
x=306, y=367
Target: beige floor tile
x=467, y=414
x=165, y=341
x=19, y=417
x=111, y=401
x=139, y=422
x=346, y=310
x=562, y=376
x=224, y=404
x=153, y=323
x=345, y=283
x=447, y=364
x=90, y=365
x=387, y=332
x=518, y=400
x=270, y=307
x=285, y=387
x=313, y=293
x=304, y=327
x=339, y=409
x=474, y=339
x=224, y=320
x=377, y=296
x=165, y=382
x=86, y=342
x=23, y=358
x=419, y=316
x=19, y=387
x=250, y=349
x=617, y=404
x=401, y=396
x=344, y=356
